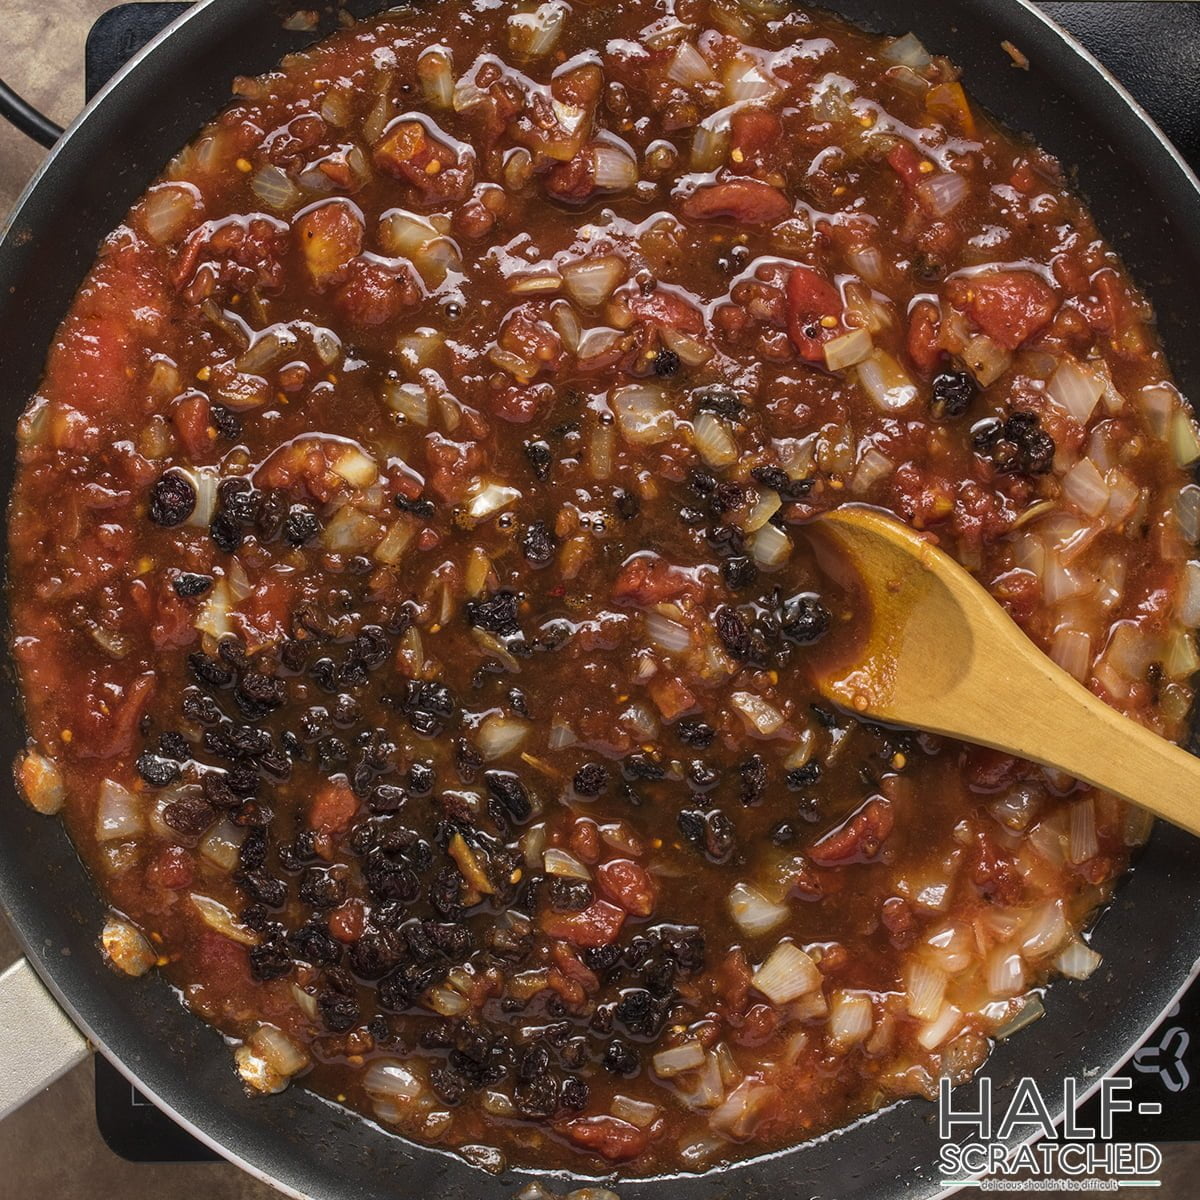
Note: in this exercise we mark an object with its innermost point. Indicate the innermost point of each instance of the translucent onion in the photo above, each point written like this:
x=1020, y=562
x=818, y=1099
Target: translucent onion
x=942, y=193
x=714, y=442
x=356, y=467
x=1045, y=930
x=212, y=617
x=848, y=350
x=168, y=211
x=768, y=504
x=940, y=1028
x=692, y=352
x=744, y=1107
x=614, y=169
x=1081, y=841
x=925, y=989
x=500, y=735
x=787, y=974
x=392, y=1080
x=952, y=947
x=1189, y=596
x=642, y=414
x=886, y=382
x=567, y=866
x=746, y=80
x=772, y=547
x=637, y=1112
x=404, y=233
x=278, y=1050
x=1181, y=660
x=872, y=467
x=591, y=281
x=760, y=716
x=1158, y=401
x=410, y=400
x=1084, y=487
x=222, y=843
x=119, y=813
x=851, y=1017
x=485, y=499
x=1184, y=439
x=391, y=547
x=273, y=187
x=534, y=34
x=986, y=360
x=1077, y=960
x=219, y=919
x=688, y=66
x=753, y=913
x=710, y=143
x=125, y=947
x=435, y=70
x=908, y=52
x=1005, y=972
x=666, y=634
x=686, y=1057
x=1075, y=389
x=1072, y=650
x=41, y=783
x=351, y=531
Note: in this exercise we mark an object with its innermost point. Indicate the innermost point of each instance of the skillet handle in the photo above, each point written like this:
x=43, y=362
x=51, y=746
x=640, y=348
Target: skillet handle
x=19, y=112
x=38, y=1043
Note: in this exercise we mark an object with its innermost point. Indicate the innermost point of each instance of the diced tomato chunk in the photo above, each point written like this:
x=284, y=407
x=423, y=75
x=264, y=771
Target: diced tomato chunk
x=629, y=885
x=333, y=808
x=596, y=925
x=1009, y=306
x=858, y=839
x=648, y=579
x=610, y=1137
x=330, y=235
x=814, y=312
x=746, y=201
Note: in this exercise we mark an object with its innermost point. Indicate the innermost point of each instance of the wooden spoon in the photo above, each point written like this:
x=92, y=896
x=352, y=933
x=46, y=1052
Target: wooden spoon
x=940, y=654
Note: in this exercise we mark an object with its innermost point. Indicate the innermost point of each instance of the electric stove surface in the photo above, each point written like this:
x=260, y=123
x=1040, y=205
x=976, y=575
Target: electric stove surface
x=1153, y=48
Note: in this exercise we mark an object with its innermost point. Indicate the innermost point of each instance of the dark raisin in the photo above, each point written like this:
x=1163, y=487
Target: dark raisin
x=1017, y=445
x=226, y=533
x=620, y=1058
x=639, y=766
x=505, y=787
x=322, y=887
x=174, y=745
x=701, y=777
x=734, y=633
x=782, y=833
x=739, y=573
x=601, y=958
x=467, y=760
x=752, y=779
x=538, y=544
x=720, y=400
x=239, y=500
x=272, y=513
x=258, y=694
x=375, y=953
x=801, y=777
x=449, y=1086
x=189, y=815
x=172, y=499
x=313, y=944
x=264, y=888
x=156, y=769
x=198, y=707
x=570, y=895
x=804, y=619
x=953, y=392
x=497, y=614
x=591, y=780
x=187, y=584
x=666, y=363
x=300, y=526
x=573, y=1094
x=627, y=504
x=691, y=516
x=696, y=734
x=540, y=458
x=271, y=959
x=387, y=880
x=226, y=422
x=387, y=798
x=339, y=1012
x=419, y=506
x=421, y=778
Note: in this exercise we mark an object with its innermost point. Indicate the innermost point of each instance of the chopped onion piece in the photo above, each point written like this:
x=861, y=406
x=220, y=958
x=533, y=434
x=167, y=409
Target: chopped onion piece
x=281, y=1054
x=212, y=617
x=753, y=913
x=1082, y=844
x=410, y=400
x=1181, y=660
x=940, y=1028
x=1084, y=487
x=986, y=360
x=486, y=499
x=222, y=843
x=925, y=987
x=559, y=862
x=772, y=547
x=435, y=70
x=1072, y=650
x=745, y=80
x=1187, y=512
x=614, y=169
x=534, y=34
x=714, y=442
x=404, y=233
x=886, y=382
x=872, y=467
x=637, y=1112
x=1185, y=439
x=351, y=531
x=787, y=974
x=1075, y=389
x=908, y=52
x=687, y=1057
x=390, y=1079
x=500, y=735
x=119, y=813
x=692, y=352
x=849, y=349
x=1189, y=599
x=744, y=1107
x=768, y=504
x=591, y=281
x=850, y=1017
x=710, y=143
x=666, y=634
x=642, y=414
x=391, y=547
x=688, y=66
x=218, y=918
x=41, y=783
x=356, y=467
x=126, y=948
x=1077, y=960
x=1045, y=930
x=1005, y=972
x=168, y=210
x=273, y=187
x=760, y=716
x=942, y=193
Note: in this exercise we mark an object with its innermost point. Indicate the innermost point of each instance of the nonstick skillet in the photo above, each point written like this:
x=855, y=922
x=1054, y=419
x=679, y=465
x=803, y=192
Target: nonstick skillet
x=1147, y=202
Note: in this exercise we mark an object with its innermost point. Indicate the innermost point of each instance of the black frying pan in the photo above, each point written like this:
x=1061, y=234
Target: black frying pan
x=1147, y=202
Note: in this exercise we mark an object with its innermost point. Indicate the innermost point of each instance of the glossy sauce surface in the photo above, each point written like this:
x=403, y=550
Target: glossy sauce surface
x=413, y=608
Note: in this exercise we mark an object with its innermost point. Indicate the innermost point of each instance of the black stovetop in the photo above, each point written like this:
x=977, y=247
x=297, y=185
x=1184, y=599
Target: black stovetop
x=1153, y=47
